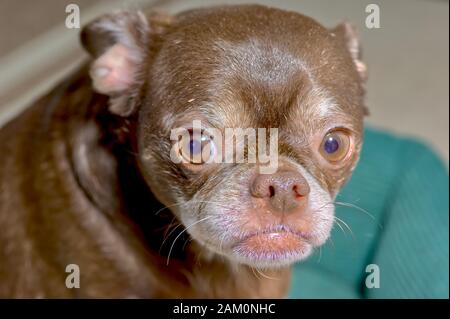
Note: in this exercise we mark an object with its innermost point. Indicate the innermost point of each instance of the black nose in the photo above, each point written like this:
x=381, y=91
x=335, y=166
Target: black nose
x=284, y=190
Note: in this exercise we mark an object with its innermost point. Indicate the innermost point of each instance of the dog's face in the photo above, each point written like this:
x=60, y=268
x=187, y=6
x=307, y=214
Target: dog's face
x=250, y=68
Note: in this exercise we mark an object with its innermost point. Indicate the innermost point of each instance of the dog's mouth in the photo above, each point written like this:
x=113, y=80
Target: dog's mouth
x=275, y=245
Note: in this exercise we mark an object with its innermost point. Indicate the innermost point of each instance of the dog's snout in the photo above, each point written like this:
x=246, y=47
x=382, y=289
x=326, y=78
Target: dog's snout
x=283, y=190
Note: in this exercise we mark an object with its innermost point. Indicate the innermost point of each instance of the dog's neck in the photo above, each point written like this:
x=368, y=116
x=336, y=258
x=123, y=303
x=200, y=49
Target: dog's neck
x=213, y=276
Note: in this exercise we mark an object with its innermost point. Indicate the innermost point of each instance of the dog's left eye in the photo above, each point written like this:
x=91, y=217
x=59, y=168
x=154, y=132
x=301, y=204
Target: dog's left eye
x=199, y=149
x=335, y=146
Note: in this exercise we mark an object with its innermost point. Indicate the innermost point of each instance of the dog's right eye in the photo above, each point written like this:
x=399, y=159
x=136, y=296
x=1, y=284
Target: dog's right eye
x=198, y=149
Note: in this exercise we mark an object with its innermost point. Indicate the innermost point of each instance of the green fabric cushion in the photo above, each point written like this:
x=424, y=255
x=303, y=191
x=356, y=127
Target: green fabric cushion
x=401, y=225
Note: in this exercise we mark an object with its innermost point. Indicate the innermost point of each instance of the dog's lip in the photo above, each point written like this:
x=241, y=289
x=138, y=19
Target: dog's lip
x=273, y=231
x=273, y=243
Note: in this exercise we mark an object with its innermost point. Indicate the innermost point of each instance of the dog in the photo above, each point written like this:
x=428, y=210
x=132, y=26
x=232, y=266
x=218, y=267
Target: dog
x=87, y=176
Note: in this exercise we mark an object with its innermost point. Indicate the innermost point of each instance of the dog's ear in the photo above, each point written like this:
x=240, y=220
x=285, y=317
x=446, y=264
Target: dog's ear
x=348, y=34
x=120, y=43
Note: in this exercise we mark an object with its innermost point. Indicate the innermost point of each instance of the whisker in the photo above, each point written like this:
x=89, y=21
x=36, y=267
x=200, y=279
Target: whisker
x=345, y=204
x=185, y=243
x=345, y=224
x=264, y=275
x=254, y=273
x=320, y=254
x=337, y=221
x=181, y=233
x=168, y=227
x=221, y=242
x=168, y=236
x=192, y=201
x=165, y=207
x=339, y=225
x=350, y=205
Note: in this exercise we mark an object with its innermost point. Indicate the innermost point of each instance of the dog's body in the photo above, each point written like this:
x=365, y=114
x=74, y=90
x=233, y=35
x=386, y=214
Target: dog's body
x=75, y=181
x=56, y=212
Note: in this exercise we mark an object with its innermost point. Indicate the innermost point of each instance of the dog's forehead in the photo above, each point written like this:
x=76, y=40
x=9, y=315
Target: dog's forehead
x=254, y=67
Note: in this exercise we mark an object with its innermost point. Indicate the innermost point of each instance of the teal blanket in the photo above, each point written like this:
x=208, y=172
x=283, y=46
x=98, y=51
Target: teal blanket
x=396, y=206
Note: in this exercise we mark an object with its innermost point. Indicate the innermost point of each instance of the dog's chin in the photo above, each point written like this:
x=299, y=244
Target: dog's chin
x=271, y=249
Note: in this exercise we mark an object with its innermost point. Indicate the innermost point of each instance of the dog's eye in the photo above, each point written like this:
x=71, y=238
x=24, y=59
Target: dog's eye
x=199, y=149
x=335, y=146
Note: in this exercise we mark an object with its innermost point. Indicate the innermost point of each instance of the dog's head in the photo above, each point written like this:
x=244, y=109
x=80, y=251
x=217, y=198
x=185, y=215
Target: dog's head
x=249, y=118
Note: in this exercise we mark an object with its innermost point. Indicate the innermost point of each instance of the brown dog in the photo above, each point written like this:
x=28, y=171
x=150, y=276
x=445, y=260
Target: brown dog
x=87, y=177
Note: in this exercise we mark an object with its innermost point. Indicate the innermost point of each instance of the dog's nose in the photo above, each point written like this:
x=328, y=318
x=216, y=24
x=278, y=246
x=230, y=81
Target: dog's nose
x=284, y=190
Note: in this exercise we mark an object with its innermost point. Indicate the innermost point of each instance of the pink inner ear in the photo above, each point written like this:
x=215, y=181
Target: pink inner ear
x=362, y=69
x=114, y=70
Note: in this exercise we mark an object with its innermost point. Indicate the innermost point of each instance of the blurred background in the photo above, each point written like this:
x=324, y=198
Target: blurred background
x=407, y=56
